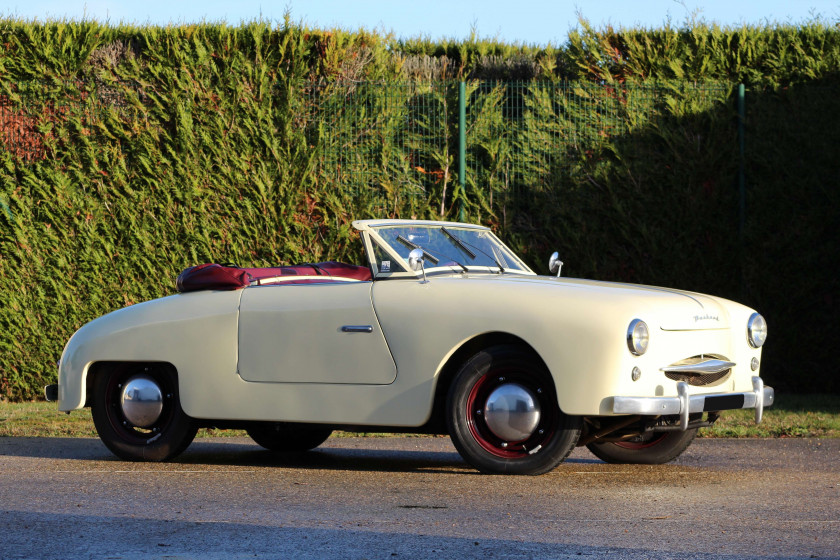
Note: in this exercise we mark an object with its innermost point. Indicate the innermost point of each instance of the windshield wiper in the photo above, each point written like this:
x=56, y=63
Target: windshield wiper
x=412, y=245
x=463, y=244
x=458, y=242
x=426, y=253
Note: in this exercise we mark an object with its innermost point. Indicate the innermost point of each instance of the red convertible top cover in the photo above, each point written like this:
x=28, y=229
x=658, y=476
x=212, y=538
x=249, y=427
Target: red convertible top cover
x=211, y=276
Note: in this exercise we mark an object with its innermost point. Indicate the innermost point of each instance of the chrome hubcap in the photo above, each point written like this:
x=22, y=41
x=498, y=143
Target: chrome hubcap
x=512, y=412
x=141, y=401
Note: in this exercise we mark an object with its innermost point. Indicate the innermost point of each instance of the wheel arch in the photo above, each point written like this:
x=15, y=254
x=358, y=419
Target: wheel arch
x=105, y=367
x=159, y=436
x=459, y=357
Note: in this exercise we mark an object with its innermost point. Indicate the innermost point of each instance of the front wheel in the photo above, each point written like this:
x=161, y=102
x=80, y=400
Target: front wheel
x=288, y=437
x=503, y=416
x=648, y=449
x=137, y=412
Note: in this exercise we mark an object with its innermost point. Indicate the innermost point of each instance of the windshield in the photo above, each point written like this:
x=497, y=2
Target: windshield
x=452, y=246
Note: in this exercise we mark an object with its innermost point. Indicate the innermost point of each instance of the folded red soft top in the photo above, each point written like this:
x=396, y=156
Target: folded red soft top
x=211, y=276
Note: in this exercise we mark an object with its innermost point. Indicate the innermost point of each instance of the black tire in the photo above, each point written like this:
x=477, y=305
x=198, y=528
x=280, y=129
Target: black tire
x=651, y=449
x=171, y=433
x=550, y=443
x=288, y=437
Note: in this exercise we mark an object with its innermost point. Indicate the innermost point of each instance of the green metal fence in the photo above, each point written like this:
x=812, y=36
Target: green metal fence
x=409, y=139
x=392, y=139
x=448, y=141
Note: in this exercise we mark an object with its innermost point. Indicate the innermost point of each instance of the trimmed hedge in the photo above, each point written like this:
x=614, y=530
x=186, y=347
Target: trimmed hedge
x=133, y=152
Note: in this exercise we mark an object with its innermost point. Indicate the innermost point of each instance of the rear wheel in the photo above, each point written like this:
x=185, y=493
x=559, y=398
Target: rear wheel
x=654, y=448
x=137, y=412
x=503, y=416
x=288, y=437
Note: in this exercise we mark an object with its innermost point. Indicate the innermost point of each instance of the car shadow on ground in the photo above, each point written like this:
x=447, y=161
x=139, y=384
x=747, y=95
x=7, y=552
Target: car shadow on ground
x=211, y=540
x=215, y=452
x=326, y=458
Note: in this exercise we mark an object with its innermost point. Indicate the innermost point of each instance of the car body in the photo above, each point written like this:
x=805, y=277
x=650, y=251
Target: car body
x=444, y=330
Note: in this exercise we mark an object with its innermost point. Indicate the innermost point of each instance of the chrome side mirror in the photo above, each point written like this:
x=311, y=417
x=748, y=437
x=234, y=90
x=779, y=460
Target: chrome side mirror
x=416, y=261
x=555, y=264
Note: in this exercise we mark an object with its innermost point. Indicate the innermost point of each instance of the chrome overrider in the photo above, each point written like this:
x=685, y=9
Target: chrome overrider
x=685, y=404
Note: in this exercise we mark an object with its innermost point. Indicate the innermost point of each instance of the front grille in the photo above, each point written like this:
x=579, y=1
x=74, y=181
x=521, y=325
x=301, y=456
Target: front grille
x=698, y=379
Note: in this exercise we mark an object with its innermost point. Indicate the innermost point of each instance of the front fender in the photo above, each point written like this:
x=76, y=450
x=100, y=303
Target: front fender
x=578, y=328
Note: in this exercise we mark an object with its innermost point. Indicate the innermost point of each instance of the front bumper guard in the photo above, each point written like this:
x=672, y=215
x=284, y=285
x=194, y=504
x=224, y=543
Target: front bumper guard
x=685, y=404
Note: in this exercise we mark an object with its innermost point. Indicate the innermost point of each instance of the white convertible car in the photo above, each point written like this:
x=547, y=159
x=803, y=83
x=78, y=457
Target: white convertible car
x=445, y=330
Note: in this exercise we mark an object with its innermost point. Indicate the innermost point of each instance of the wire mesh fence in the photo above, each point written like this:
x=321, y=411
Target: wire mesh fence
x=519, y=135
x=401, y=140
x=382, y=137
x=524, y=135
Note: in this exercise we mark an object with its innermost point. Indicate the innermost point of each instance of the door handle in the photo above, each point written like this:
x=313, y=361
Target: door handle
x=357, y=328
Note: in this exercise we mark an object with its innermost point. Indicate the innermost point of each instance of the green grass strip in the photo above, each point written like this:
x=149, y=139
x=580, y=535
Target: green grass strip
x=792, y=416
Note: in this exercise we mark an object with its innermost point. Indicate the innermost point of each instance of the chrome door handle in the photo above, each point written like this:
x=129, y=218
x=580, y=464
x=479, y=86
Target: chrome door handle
x=357, y=328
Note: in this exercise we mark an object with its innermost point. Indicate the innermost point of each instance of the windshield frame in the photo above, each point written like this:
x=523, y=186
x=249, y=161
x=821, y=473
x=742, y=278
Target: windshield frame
x=373, y=240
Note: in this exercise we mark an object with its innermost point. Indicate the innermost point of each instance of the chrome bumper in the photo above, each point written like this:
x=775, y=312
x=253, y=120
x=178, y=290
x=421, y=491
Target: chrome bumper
x=684, y=404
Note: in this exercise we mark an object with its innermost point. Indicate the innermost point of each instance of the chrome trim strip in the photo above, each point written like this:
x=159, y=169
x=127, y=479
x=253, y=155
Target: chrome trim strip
x=685, y=404
x=291, y=279
x=357, y=328
x=703, y=368
x=373, y=224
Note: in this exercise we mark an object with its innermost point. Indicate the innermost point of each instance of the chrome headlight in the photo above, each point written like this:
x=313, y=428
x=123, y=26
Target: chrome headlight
x=756, y=330
x=638, y=337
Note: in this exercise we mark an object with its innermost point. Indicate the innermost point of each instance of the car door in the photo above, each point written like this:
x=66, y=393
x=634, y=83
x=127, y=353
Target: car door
x=312, y=333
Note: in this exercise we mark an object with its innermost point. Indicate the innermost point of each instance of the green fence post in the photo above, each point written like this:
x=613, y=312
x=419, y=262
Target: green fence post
x=742, y=180
x=742, y=184
x=462, y=145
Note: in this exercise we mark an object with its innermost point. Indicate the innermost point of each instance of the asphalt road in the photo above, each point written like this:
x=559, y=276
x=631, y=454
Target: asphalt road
x=414, y=498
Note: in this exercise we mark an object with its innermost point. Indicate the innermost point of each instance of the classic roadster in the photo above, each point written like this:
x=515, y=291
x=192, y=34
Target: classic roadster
x=445, y=330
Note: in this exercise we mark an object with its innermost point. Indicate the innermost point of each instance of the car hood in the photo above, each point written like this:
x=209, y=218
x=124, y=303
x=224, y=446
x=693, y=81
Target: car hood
x=670, y=309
